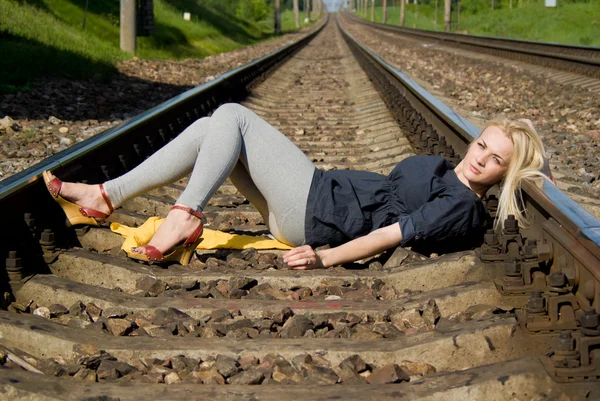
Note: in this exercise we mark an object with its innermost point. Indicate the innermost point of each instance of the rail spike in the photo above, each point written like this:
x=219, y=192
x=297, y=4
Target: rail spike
x=525, y=262
x=574, y=357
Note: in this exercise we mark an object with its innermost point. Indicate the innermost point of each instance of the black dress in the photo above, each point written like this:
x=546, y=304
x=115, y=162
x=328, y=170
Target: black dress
x=435, y=210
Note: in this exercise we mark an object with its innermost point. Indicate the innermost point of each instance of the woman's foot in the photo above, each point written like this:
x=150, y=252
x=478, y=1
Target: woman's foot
x=84, y=195
x=177, y=227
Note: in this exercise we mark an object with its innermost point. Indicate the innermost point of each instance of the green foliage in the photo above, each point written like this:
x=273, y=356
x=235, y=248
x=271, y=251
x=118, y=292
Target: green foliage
x=255, y=10
x=416, y=15
x=41, y=38
x=572, y=21
x=474, y=6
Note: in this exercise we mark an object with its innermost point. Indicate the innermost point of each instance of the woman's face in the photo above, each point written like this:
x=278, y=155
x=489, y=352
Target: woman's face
x=488, y=158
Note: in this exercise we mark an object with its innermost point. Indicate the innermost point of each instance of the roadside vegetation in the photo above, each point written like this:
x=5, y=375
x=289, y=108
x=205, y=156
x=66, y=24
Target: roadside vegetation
x=571, y=21
x=40, y=38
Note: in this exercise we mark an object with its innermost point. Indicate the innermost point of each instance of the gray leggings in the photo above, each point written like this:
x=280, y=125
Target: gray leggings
x=264, y=165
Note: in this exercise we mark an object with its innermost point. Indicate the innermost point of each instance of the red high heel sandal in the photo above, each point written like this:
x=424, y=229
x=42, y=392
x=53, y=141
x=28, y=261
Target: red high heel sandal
x=181, y=253
x=76, y=215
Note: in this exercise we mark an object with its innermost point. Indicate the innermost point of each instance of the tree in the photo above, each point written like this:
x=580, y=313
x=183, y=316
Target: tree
x=297, y=13
x=277, y=17
x=385, y=16
x=447, y=15
x=402, y=13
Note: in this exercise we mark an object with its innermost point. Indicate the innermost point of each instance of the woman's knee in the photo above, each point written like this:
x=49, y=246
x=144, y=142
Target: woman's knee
x=230, y=110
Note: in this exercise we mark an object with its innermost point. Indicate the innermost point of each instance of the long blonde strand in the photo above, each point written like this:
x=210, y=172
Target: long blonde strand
x=525, y=165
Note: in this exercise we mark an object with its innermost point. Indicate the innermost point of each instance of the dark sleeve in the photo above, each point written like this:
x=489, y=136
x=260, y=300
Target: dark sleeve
x=447, y=216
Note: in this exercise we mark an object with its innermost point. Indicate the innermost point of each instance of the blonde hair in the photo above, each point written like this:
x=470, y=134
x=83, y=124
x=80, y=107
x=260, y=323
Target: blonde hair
x=525, y=165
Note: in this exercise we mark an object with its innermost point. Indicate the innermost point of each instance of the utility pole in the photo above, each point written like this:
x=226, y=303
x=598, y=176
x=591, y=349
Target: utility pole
x=372, y=10
x=384, y=11
x=416, y=13
x=447, y=15
x=402, y=15
x=297, y=13
x=128, y=24
x=277, y=17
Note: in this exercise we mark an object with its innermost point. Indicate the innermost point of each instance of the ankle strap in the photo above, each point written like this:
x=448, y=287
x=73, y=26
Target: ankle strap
x=106, y=199
x=189, y=210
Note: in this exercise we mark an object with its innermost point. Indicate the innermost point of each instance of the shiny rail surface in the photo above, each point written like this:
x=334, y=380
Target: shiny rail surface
x=584, y=60
x=514, y=319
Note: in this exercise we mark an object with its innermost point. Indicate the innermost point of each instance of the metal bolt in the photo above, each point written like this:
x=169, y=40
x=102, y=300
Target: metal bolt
x=492, y=202
x=124, y=162
x=511, y=225
x=529, y=248
x=556, y=279
x=47, y=241
x=163, y=136
x=565, y=341
x=138, y=150
x=429, y=129
x=14, y=267
x=30, y=221
x=105, y=171
x=490, y=238
x=47, y=237
x=150, y=141
x=512, y=269
x=536, y=302
x=13, y=263
x=565, y=355
x=590, y=319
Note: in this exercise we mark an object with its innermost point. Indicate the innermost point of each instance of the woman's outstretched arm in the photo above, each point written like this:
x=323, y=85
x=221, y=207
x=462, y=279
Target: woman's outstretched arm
x=304, y=257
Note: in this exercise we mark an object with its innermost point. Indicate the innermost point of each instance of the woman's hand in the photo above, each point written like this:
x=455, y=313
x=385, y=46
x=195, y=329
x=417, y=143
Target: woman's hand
x=303, y=258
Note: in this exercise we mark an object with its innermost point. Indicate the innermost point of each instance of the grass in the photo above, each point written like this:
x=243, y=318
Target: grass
x=420, y=16
x=572, y=23
x=41, y=38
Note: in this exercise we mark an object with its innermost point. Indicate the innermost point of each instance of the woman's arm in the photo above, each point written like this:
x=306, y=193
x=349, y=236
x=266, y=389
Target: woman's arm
x=304, y=257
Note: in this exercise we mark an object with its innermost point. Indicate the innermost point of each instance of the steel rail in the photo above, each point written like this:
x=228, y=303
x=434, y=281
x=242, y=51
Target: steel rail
x=555, y=204
x=222, y=83
x=558, y=51
x=27, y=215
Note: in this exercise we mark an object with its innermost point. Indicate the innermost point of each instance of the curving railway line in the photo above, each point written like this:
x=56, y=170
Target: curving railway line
x=516, y=319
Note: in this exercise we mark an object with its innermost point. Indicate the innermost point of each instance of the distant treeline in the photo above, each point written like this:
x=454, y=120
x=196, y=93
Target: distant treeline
x=475, y=6
x=255, y=10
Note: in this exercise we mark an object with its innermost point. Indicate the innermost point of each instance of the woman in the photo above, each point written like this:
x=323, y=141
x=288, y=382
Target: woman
x=425, y=199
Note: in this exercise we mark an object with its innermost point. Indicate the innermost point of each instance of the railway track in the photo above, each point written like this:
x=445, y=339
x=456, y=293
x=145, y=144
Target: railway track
x=567, y=178
x=582, y=60
x=513, y=320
